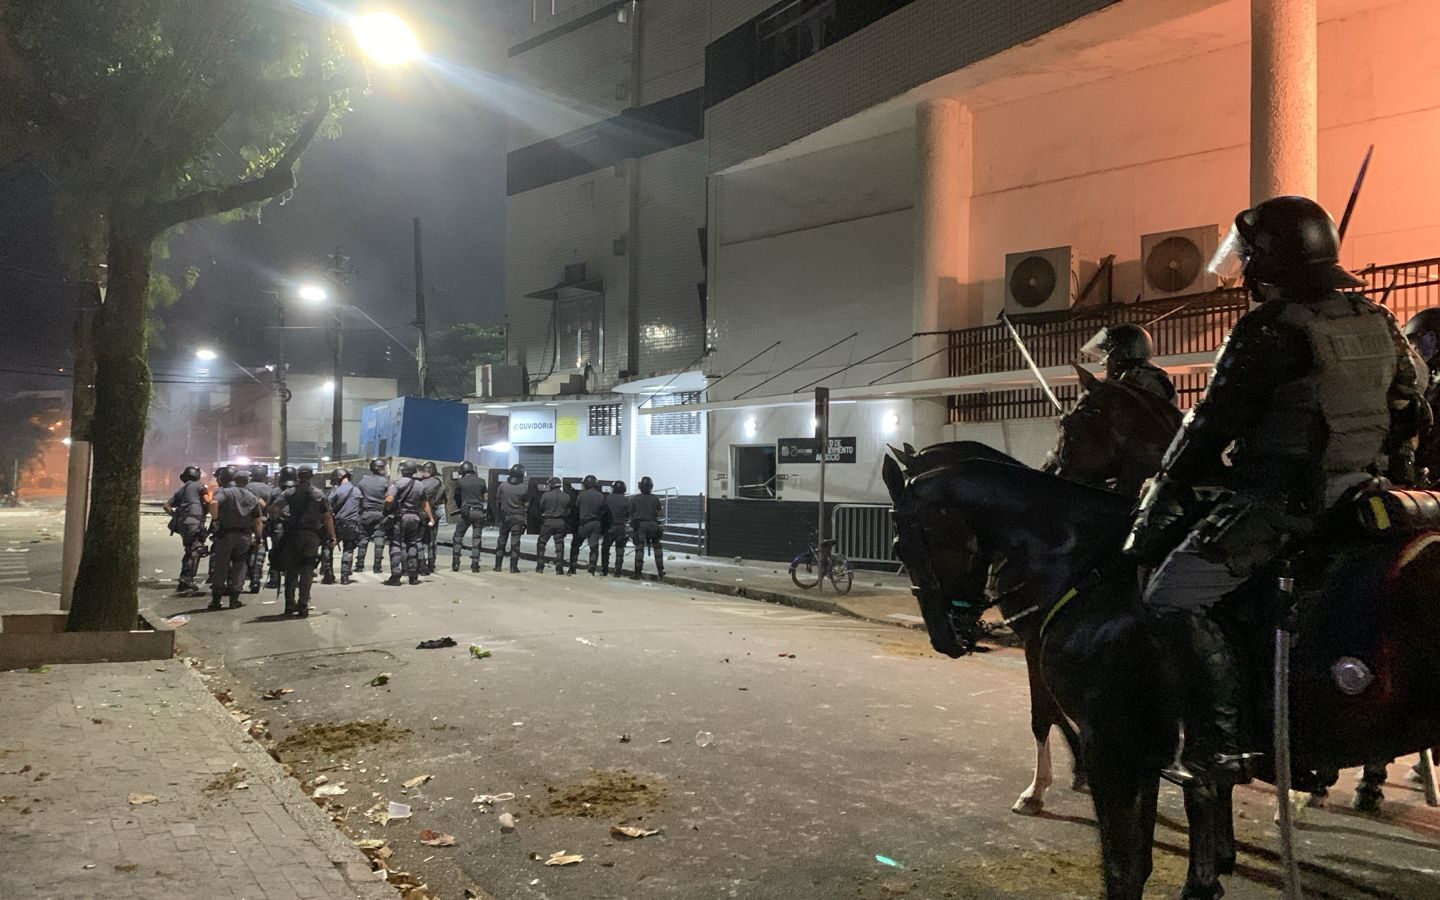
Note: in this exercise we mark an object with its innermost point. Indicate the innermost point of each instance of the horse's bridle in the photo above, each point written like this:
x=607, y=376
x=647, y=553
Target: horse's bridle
x=966, y=634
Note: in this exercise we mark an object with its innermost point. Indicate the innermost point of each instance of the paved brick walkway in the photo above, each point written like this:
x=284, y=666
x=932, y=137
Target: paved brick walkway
x=77, y=741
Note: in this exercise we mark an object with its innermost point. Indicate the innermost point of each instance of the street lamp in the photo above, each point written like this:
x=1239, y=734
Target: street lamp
x=313, y=293
x=205, y=354
x=385, y=38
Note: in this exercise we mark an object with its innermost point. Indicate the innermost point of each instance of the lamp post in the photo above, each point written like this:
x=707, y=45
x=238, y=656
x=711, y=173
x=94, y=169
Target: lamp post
x=282, y=387
x=314, y=293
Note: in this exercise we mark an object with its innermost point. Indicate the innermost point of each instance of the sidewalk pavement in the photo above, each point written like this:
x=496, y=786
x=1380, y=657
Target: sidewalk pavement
x=123, y=780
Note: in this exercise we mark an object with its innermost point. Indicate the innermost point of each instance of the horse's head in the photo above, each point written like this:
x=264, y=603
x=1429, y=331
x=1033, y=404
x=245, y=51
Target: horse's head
x=1115, y=436
x=942, y=552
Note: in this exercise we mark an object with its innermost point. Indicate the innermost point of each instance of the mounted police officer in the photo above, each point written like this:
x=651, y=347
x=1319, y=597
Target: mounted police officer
x=308, y=523
x=235, y=512
x=615, y=523
x=589, y=507
x=405, y=503
x=188, y=507
x=266, y=495
x=344, y=502
x=646, y=516
x=1423, y=332
x=285, y=479
x=470, y=496
x=373, y=487
x=434, y=490
x=554, y=512
x=512, y=497
x=1308, y=388
x=1128, y=351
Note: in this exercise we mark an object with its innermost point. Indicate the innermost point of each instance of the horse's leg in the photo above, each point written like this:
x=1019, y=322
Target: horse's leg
x=1078, y=779
x=1043, y=713
x=1125, y=809
x=1202, y=880
x=1368, y=793
x=1225, y=827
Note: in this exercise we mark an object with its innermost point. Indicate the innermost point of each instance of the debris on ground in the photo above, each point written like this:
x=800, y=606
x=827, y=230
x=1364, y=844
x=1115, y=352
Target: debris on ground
x=382, y=679
x=142, y=799
x=38, y=670
x=225, y=697
x=397, y=811
x=436, y=644
x=176, y=621
x=435, y=839
x=561, y=858
x=332, y=738
x=320, y=779
x=492, y=799
x=126, y=867
x=630, y=831
x=704, y=739
x=586, y=641
x=416, y=781
x=276, y=693
x=507, y=822
x=479, y=652
x=624, y=738
x=602, y=794
x=331, y=790
x=787, y=656
x=887, y=861
x=227, y=781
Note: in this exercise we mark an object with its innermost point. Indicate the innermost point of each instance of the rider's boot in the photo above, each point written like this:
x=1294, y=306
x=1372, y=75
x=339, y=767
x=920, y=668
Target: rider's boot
x=1212, y=735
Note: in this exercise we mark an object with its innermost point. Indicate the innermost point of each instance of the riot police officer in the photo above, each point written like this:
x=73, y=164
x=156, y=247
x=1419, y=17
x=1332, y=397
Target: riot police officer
x=512, y=497
x=373, y=487
x=405, y=503
x=615, y=521
x=308, y=523
x=554, y=511
x=266, y=495
x=188, y=507
x=235, y=514
x=470, y=496
x=646, y=517
x=285, y=479
x=1423, y=332
x=1309, y=388
x=434, y=490
x=1128, y=351
x=589, y=507
x=344, y=502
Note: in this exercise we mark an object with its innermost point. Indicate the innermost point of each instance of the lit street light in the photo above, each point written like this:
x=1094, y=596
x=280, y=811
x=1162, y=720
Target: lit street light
x=386, y=38
x=313, y=293
x=205, y=354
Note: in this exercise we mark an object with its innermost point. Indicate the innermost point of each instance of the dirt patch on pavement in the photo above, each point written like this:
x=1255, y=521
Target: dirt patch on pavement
x=226, y=781
x=914, y=648
x=332, y=738
x=601, y=794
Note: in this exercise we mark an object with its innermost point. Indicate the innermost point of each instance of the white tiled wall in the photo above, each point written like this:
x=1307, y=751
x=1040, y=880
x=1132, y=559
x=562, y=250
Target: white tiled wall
x=568, y=82
x=672, y=209
x=672, y=48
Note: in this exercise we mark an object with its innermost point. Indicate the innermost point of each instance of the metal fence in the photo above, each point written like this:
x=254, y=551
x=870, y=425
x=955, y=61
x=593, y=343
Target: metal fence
x=864, y=532
x=1180, y=325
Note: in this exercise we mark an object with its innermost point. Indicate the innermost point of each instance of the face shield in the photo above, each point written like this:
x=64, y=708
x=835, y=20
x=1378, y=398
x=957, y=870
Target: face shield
x=1098, y=347
x=1230, y=257
x=1424, y=343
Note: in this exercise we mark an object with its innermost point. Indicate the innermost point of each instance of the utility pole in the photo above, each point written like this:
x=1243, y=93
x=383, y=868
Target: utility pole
x=422, y=356
x=337, y=410
x=282, y=389
x=82, y=410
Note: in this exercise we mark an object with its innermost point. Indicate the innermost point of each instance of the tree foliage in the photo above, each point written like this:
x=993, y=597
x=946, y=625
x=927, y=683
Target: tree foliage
x=145, y=114
x=456, y=351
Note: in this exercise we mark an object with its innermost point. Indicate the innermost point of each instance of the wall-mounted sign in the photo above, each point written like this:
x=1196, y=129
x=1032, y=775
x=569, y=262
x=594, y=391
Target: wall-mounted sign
x=532, y=426
x=794, y=451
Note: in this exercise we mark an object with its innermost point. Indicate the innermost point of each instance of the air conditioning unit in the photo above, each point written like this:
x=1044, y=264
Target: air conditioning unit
x=495, y=381
x=1049, y=281
x=1173, y=263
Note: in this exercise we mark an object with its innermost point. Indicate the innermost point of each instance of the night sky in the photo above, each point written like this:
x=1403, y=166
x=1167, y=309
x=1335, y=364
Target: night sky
x=418, y=145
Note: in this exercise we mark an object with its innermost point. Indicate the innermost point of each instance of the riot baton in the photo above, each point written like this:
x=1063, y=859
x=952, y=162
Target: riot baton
x=1355, y=193
x=1030, y=361
x=1285, y=596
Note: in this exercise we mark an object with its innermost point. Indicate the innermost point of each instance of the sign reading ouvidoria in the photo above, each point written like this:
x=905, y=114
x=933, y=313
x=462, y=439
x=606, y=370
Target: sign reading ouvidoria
x=532, y=426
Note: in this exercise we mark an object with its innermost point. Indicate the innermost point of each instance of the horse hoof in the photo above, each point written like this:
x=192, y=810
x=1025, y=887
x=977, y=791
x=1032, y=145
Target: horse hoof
x=1367, y=801
x=1028, y=806
x=1200, y=892
x=1080, y=784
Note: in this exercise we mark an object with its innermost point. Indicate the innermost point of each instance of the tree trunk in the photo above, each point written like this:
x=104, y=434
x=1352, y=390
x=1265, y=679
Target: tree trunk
x=107, y=587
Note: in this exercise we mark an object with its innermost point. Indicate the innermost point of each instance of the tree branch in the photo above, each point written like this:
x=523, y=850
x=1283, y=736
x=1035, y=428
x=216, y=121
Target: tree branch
x=279, y=179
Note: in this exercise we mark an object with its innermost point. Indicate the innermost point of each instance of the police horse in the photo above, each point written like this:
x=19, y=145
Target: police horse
x=1366, y=666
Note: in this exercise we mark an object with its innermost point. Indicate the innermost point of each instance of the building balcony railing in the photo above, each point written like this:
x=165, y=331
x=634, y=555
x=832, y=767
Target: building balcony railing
x=1179, y=325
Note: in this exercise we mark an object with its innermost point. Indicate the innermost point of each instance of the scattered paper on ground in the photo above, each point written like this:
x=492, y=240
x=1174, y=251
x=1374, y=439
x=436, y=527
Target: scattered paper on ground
x=561, y=858
x=142, y=799
x=330, y=790
x=436, y=839
x=417, y=781
x=397, y=811
x=630, y=831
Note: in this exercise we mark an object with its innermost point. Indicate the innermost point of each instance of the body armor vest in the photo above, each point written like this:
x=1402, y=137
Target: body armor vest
x=470, y=492
x=408, y=493
x=645, y=508
x=372, y=492
x=619, y=509
x=237, y=508
x=589, y=504
x=514, y=499
x=554, y=504
x=344, y=501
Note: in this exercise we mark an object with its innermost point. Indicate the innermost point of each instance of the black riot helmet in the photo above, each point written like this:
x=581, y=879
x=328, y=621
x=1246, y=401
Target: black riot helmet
x=258, y=474
x=1123, y=343
x=554, y=482
x=305, y=473
x=466, y=468
x=225, y=476
x=407, y=468
x=590, y=482
x=286, y=478
x=339, y=475
x=1286, y=241
x=191, y=473
x=646, y=485
x=377, y=466
x=1423, y=331
x=242, y=476
x=517, y=474
x=617, y=487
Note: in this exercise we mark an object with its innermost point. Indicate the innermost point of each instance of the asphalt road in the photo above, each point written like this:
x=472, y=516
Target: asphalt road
x=862, y=743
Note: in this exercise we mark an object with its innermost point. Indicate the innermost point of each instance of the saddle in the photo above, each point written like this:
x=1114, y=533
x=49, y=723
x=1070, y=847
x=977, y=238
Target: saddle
x=1398, y=511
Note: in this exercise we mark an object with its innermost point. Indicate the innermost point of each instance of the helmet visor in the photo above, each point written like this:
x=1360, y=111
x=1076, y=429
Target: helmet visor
x=1230, y=257
x=1098, y=347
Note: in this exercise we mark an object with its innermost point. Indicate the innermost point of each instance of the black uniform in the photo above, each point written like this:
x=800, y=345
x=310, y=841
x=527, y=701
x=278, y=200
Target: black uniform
x=646, y=513
x=1146, y=376
x=344, y=501
x=237, y=511
x=513, y=500
x=256, y=569
x=589, y=506
x=617, y=531
x=187, y=519
x=303, y=509
x=434, y=490
x=470, y=496
x=554, y=513
x=405, y=532
x=372, y=517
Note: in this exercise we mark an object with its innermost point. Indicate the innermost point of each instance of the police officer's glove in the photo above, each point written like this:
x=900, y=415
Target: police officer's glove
x=1160, y=521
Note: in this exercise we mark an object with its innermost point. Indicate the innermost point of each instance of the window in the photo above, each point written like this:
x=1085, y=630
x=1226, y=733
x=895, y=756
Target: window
x=754, y=471
x=794, y=31
x=675, y=423
x=580, y=332
x=605, y=420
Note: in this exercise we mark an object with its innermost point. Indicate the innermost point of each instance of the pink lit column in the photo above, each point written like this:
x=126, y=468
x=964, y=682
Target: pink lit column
x=942, y=237
x=1282, y=98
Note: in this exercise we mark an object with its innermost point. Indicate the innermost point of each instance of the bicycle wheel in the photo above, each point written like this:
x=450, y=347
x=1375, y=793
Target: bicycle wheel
x=805, y=570
x=841, y=574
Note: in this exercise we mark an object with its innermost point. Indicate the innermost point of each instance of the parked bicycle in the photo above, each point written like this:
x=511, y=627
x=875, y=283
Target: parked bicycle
x=818, y=563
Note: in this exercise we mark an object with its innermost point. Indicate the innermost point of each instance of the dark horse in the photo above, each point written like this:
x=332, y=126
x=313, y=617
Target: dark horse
x=1115, y=436
x=1074, y=603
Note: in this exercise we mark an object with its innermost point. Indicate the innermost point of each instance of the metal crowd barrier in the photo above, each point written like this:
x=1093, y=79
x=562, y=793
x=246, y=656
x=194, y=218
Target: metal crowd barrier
x=864, y=532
